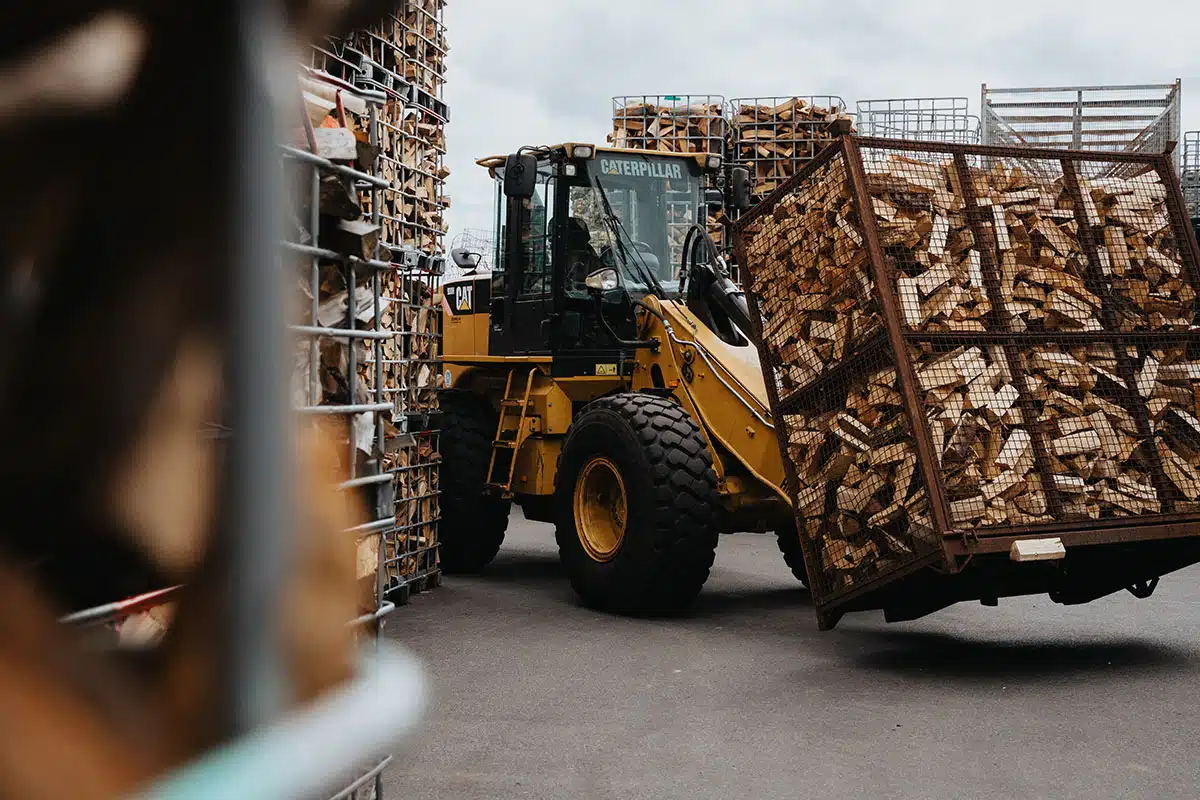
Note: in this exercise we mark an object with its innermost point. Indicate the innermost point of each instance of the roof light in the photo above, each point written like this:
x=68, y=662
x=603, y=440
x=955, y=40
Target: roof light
x=583, y=151
x=714, y=162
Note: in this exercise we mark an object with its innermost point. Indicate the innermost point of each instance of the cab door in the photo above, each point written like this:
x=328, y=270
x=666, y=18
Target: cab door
x=522, y=297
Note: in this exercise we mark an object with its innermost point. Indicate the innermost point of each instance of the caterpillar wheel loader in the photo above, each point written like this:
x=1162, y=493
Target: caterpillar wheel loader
x=602, y=377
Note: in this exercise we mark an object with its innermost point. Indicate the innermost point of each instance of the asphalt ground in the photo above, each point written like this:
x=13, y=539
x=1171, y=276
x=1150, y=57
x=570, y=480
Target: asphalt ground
x=742, y=697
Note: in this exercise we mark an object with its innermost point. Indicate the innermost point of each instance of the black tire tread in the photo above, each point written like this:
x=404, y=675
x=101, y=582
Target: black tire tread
x=789, y=544
x=473, y=524
x=685, y=505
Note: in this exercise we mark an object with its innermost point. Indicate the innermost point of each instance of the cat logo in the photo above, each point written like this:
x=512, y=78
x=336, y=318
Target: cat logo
x=466, y=299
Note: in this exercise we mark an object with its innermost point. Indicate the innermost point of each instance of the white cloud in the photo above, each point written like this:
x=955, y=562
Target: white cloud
x=542, y=71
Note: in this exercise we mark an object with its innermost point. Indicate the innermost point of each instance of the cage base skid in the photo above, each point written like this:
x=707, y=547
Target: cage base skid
x=1026, y=382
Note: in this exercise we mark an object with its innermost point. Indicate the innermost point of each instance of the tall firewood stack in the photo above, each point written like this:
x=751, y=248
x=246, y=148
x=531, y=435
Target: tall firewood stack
x=404, y=56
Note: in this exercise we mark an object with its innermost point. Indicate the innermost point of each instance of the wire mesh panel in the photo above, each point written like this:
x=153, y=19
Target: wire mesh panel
x=776, y=136
x=670, y=123
x=812, y=280
x=920, y=119
x=478, y=241
x=1141, y=118
x=862, y=507
x=1042, y=327
x=1191, y=173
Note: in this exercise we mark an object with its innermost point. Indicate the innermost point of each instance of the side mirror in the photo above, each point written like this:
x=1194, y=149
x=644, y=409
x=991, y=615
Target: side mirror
x=739, y=188
x=603, y=280
x=466, y=260
x=714, y=200
x=520, y=176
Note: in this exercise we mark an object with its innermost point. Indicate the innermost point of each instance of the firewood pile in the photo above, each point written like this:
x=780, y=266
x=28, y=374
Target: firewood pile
x=776, y=136
x=672, y=124
x=1050, y=328
x=812, y=280
x=414, y=460
x=861, y=499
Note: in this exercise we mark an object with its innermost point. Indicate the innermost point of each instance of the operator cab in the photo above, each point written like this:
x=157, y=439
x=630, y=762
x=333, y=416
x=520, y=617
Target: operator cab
x=572, y=212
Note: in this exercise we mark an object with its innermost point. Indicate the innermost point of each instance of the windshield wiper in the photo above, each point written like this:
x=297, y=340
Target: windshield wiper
x=618, y=227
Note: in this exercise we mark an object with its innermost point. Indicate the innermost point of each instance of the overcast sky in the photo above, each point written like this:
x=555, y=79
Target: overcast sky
x=544, y=71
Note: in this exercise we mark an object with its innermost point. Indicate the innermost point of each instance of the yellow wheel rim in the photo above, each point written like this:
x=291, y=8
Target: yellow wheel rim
x=600, y=509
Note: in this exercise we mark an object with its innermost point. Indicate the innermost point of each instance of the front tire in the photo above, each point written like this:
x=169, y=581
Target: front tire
x=473, y=522
x=789, y=544
x=637, y=499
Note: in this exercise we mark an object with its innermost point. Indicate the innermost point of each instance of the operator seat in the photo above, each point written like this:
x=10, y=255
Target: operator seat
x=582, y=260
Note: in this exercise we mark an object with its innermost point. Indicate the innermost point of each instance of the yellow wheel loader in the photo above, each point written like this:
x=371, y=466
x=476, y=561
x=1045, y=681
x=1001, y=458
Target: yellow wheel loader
x=602, y=377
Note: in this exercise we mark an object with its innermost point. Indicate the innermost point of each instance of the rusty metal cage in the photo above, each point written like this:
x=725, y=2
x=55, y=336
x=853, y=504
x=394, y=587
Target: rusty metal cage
x=963, y=351
x=1133, y=118
x=922, y=119
x=690, y=123
x=1191, y=173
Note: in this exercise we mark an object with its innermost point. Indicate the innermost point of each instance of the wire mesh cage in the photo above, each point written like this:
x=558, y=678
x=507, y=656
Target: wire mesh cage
x=338, y=365
x=692, y=123
x=479, y=241
x=1191, y=172
x=776, y=136
x=1043, y=334
x=921, y=119
x=1134, y=118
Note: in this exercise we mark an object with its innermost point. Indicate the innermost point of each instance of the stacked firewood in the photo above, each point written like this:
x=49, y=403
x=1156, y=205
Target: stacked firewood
x=414, y=148
x=776, y=137
x=812, y=280
x=1086, y=398
x=413, y=550
x=980, y=439
x=861, y=496
x=670, y=127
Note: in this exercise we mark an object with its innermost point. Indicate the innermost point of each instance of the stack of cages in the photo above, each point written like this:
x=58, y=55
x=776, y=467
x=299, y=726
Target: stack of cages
x=694, y=123
x=919, y=119
x=1191, y=176
x=403, y=58
x=969, y=346
x=341, y=270
x=1107, y=119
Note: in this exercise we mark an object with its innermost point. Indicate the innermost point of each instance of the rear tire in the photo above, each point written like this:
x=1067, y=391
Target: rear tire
x=656, y=454
x=789, y=544
x=473, y=522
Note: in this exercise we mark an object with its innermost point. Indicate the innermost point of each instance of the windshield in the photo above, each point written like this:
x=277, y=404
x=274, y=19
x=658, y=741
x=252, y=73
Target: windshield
x=654, y=201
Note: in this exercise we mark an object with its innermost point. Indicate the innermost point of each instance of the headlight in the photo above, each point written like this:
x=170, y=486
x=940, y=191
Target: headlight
x=570, y=170
x=603, y=280
x=583, y=151
x=714, y=162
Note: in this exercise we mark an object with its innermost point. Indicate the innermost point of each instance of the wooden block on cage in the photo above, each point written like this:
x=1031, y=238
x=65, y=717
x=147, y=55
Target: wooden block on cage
x=353, y=238
x=338, y=199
